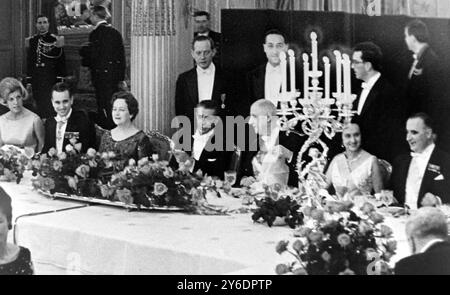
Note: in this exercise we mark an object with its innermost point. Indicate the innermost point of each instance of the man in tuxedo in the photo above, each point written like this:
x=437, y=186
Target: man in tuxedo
x=427, y=234
x=377, y=105
x=265, y=80
x=204, y=82
x=426, y=172
x=209, y=146
x=45, y=63
x=68, y=123
x=272, y=149
x=105, y=56
x=427, y=85
x=202, y=21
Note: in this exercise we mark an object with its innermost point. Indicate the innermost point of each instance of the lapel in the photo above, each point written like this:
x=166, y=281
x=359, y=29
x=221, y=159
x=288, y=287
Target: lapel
x=373, y=94
x=260, y=82
x=217, y=87
x=51, y=131
x=429, y=176
x=403, y=170
x=192, y=84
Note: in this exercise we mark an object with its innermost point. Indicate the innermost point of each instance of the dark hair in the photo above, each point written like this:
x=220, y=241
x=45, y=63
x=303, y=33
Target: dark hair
x=427, y=120
x=6, y=207
x=203, y=38
x=202, y=13
x=370, y=53
x=101, y=11
x=418, y=29
x=41, y=16
x=275, y=32
x=61, y=87
x=131, y=101
x=210, y=105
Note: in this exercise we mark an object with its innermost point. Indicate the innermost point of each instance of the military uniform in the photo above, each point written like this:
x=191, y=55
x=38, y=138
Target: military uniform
x=45, y=62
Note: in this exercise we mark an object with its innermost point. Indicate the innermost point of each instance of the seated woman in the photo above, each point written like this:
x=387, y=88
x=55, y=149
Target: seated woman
x=354, y=172
x=14, y=260
x=126, y=139
x=19, y=127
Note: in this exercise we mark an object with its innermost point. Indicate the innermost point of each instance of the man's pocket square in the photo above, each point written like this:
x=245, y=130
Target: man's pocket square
x=440, y=177
x=212, y=160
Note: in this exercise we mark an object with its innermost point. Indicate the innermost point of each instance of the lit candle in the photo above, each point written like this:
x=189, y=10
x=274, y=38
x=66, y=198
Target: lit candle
x=347, y=75
x=283, y=72
x=306, y=75
x=314, y=54
x=292, y=68
x=327, y=65
x=338, y=71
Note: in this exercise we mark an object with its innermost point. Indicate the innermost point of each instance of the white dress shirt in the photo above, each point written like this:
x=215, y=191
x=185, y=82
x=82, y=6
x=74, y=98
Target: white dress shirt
x=272, y=83
x=416, y=172
x=61, y=126
x=200, y=141
x=367, y=87
x=205, y=80
x=99, y=23
x=430, y=244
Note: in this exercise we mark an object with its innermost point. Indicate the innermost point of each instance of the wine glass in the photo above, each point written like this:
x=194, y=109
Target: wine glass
x=230, y=177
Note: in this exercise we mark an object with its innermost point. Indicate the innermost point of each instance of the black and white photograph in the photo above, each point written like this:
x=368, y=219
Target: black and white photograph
x=241, y=139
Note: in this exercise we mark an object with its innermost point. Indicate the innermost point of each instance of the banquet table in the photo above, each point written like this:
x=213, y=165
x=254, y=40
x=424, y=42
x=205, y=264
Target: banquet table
x=72, y=238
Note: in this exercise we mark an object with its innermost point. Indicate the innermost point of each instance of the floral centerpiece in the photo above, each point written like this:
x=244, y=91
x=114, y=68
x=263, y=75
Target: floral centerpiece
x=336, y=241
x=13, y=162
x=148, y=183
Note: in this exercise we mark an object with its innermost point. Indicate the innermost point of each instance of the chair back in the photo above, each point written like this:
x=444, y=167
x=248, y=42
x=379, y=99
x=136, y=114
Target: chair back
x=386, y=171
x=161, y=144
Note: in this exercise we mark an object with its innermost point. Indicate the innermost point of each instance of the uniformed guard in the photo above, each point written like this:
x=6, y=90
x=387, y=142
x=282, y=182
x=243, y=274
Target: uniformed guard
x=46, y=65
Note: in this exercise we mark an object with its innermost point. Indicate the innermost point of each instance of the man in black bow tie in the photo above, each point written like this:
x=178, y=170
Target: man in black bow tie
x=378, y=106
x=45, y=63
x=426, y=171
x=68, y=123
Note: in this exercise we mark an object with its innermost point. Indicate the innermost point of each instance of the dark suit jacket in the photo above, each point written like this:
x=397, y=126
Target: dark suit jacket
x=105, y=54
x=382, y=120
x=425, y=88
x=186, y=94
x=429, y=184
x=435, y=261
x=78, y=122
x=292, y=142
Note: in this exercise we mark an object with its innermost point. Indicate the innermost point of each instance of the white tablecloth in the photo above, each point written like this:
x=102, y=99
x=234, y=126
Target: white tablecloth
x=106, y=240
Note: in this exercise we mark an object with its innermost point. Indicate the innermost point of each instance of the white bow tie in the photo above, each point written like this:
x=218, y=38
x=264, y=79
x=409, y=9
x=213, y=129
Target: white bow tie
x=364, y=85
x=417, y=155
x=61, y=120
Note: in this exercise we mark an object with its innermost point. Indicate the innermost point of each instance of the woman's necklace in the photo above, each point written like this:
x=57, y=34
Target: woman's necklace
x=351, y=161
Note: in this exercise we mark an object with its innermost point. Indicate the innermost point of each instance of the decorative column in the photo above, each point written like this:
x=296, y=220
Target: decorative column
x=153, y=60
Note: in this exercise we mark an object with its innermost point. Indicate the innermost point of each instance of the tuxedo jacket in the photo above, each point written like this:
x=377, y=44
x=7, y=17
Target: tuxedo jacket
x=78, y=122
x=186, y=94
x=434, y=261
x=212, y=161
x=105, y=54
x=433, y=182
x=256, y=83
x=292, y=142
x=427, y=85
x=382, y=121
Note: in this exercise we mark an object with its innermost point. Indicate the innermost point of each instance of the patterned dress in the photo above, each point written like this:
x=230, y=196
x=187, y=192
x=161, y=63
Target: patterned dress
x=21, y=266
x=136, y=147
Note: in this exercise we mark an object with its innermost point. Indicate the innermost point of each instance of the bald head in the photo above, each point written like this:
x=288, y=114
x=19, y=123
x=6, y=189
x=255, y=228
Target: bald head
x=263, y=107
x=427, y=223
x=263, y=117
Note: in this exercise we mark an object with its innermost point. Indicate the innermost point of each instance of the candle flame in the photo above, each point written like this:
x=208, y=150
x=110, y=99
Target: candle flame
x=314, y=36
x=337, y=53
x=291, y=53
x=305, y=57
x=283, y=55
x=326, y=60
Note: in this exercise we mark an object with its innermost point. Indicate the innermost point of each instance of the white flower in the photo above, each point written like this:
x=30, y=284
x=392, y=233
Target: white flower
x=69, y=148
x=155, y=157
x=91, y=153
x=78, y=146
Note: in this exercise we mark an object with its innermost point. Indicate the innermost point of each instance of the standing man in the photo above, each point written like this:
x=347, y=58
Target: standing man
x=265, y=80
x=45, y=63
x=426, y=171
x=427, y=84
x=204, y=82
x=67, y=123
x=105, y=56
x=378, y=106
x=202, y=21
